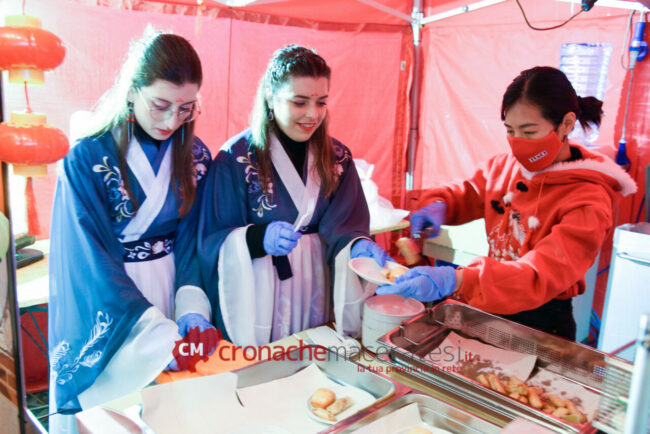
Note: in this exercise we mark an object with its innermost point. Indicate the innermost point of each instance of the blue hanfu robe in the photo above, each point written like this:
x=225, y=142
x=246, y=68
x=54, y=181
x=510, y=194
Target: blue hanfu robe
x=252, y=304
x=116, y=273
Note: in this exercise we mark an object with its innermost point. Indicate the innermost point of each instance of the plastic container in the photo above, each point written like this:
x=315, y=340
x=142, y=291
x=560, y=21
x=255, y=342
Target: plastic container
x=383, y=313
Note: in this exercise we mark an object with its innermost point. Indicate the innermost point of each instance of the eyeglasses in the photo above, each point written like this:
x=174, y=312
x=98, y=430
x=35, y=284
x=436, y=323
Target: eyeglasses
x=185, y=114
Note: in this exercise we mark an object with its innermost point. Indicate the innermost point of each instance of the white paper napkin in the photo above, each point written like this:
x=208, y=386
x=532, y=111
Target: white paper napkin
x=345, y=346
x=585, y=400
x=400, y=421
x=470, y=357
x=204, y=404
x=288, y=399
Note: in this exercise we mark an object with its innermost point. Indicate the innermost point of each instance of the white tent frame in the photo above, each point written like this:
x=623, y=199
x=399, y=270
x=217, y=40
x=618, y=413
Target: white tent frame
x=417, y=20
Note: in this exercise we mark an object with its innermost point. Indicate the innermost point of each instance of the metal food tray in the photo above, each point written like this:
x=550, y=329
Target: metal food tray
x=433, y=412
x=336, y=367
x=414, y=339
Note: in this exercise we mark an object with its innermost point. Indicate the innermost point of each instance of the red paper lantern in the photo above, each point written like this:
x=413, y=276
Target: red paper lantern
x=27, y=50
x=29, y=143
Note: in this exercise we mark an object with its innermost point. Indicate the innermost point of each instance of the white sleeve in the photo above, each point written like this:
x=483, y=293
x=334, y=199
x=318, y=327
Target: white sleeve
x=146, y=351
x=192, y=299
x=350, y=292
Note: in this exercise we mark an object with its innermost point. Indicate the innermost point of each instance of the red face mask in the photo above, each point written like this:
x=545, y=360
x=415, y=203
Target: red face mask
x=536, y=154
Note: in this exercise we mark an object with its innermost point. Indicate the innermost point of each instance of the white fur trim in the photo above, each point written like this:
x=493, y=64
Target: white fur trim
x=604, y=165
x=507, y=198
x=533, y=222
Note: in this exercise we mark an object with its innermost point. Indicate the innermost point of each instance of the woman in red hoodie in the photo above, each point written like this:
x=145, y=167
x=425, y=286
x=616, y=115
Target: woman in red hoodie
x=548, y=207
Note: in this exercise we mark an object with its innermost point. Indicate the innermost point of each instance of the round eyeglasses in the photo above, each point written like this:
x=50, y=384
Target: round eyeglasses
x=185, y=114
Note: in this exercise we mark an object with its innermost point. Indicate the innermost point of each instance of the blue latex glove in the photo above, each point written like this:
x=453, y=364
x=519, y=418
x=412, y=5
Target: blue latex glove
x=432, y=215
x=280, y=238
x=423, y=283
x=196, y=326
x=364, y=248
x=172, y=366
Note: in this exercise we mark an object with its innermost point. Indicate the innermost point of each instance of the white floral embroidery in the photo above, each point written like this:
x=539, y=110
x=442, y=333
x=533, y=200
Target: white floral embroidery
x=254, y=187
x=147, y=249
x=61, y=371
x=342, y=155
x=117, y=194
x=201, y=155
x=264, y=202
x=250, y=168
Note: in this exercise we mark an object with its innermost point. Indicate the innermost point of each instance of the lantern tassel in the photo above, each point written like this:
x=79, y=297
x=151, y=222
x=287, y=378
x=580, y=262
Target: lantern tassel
x=29, y=107
x=33, y=224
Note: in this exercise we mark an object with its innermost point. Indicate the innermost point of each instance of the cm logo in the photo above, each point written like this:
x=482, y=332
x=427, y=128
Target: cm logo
x=194, y=347
x=190, y=349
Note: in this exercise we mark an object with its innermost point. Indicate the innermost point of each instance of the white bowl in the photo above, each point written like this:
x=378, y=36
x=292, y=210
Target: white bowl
x=391, y=308
x=370, y=336
x=383, y=313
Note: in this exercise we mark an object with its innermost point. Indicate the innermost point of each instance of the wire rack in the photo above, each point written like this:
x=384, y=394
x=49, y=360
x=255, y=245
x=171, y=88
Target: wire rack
x=613, y=402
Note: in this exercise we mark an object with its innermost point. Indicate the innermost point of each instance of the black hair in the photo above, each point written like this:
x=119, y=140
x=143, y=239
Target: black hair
x=550, y=90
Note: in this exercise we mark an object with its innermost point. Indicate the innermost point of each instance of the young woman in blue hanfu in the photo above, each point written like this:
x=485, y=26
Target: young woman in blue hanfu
x=123, y=261
x=283, y=212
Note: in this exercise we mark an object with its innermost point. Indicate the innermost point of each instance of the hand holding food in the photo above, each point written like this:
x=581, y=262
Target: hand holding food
x=365, y=248
x=423, y=283
x=432, y=215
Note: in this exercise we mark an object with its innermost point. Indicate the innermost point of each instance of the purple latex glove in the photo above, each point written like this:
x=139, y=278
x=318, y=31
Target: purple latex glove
x=432, y=215
x=365, y=248
x=423, y=283
x=280, y=238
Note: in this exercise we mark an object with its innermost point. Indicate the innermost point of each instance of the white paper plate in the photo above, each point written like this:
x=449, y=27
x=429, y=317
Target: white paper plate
x=370, y=270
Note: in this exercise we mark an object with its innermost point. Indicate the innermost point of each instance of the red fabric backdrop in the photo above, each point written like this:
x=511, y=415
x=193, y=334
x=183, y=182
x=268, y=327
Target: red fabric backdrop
x=471, y=59
x=468, y=62
x=234, y=53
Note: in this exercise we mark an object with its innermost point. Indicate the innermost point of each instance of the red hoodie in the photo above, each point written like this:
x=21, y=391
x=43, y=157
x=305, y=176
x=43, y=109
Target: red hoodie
x=544, y=228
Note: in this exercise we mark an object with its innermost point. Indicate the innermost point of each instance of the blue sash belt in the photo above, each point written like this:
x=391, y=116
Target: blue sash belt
x=282, y=264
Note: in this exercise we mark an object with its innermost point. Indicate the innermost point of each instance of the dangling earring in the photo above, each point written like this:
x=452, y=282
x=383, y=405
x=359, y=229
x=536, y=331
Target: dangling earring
x=270, y=116
x=130, y=121
x=183, y=135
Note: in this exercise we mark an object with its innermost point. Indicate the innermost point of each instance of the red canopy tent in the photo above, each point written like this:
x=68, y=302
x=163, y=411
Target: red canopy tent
x=467, y=60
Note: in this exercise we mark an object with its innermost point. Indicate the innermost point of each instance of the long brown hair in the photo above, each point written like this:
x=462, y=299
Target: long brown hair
x=286, y=63
x=156, y=56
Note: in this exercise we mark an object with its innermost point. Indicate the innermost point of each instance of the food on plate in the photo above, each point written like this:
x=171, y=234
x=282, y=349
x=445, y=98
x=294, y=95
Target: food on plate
x=326, y=406
x=340, y=405
x=535, y=397
x=419, y=430
x=323, y=398
x=323, y=414
x=393, y=273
